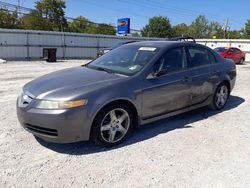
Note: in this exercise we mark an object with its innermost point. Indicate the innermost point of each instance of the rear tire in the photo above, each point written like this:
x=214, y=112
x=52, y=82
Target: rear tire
x=112, y=125
x=220, y=97
x=241, y=62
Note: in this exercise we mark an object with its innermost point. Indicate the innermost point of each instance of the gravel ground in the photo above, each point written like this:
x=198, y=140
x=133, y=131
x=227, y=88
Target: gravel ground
x=201, y=148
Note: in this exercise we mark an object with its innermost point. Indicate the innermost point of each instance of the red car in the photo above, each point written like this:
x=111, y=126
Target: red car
x=232, y=53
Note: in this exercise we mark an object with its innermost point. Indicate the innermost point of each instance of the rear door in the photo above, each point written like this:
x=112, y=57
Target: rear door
x=201, y=75
x=232, y=54
x=238, y=54
x=169, y=91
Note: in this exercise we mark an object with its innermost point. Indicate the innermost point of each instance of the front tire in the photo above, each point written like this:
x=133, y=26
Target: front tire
x=220, y=97
x=112, y=125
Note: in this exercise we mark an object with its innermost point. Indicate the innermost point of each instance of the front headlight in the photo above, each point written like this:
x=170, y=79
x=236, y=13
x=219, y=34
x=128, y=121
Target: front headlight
x=53, y=105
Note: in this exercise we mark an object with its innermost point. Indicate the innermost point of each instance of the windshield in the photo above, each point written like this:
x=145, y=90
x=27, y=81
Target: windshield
x=125, y=60
x=117, y=45
x=220, y=49
x=120, y=44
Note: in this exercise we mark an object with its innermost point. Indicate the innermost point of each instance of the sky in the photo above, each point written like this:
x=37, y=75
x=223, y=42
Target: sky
x=139, y=11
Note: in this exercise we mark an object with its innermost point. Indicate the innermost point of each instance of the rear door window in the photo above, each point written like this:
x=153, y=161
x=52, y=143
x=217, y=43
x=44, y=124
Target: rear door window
x=198, y=56
x=232, y=50
x=212, y=58
x=236, y=49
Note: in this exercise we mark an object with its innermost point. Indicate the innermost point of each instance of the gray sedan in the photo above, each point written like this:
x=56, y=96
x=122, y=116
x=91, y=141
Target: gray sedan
x=132, y=85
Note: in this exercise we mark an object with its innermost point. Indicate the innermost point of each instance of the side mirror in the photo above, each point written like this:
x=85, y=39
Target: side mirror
x=154, y=75
x=161, y=72
x=151, y=76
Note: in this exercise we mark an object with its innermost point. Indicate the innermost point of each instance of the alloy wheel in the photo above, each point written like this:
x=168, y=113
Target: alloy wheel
x=115, y=125
x=221, y=96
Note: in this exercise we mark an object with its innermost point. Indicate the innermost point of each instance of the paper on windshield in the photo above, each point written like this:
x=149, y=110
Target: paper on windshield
x=151, y=49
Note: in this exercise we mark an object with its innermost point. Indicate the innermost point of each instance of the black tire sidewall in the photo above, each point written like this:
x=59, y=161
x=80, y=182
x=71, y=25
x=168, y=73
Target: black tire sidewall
x=96, y=126
x=241, y=61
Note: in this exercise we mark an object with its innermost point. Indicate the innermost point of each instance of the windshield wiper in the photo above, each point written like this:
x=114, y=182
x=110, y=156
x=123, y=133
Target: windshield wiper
x=101, y=69
x=104, y=69
x=85, y=65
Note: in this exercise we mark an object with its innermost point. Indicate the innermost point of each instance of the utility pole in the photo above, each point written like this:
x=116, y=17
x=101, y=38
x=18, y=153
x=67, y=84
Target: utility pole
x=226, y=28
x=18, y=8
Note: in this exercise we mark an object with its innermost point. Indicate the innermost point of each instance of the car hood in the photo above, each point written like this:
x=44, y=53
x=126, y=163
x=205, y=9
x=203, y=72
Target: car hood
x=70, y=82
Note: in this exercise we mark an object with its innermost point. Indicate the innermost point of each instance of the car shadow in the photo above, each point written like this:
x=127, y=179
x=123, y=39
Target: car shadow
x=145, y=132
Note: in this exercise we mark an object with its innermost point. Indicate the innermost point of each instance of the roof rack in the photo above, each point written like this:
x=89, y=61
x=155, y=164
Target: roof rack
x=184, y=39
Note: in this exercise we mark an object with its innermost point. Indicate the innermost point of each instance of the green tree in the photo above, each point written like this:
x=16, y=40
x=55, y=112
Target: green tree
x=79, y=25
x=53, y=10
x=247, y=30
x=106, y=29
x=181, y=30
x=49, y=15
x=9, y=20
x=235, y=34
x=35, y=21
x=158, y=26
x=215, y=29
x=199, y=27
x=83, y=25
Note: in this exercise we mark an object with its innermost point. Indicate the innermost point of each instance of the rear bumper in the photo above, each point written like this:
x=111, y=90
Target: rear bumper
x=60, y=126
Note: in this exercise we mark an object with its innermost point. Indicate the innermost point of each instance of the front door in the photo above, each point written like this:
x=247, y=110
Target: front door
x=169, y=90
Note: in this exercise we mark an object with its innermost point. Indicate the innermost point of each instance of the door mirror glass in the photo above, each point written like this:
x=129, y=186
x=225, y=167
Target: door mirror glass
x=161, y=72
x=157, y=74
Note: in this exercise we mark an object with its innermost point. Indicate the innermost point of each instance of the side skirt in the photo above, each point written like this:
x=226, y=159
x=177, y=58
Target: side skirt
x=190, y=108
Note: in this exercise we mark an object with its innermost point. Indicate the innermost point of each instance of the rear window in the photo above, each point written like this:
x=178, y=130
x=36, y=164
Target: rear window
x=212, y=57
x=220, y=49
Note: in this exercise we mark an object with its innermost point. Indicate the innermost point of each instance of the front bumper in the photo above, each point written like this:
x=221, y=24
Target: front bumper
x=60, y=126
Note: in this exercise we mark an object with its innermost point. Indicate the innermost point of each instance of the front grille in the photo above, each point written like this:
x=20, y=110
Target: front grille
x=42, y=130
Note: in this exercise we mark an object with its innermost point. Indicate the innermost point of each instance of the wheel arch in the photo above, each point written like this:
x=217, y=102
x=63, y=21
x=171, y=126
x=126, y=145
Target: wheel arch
x=123, y=101
x=227, y=82
x=224, y=78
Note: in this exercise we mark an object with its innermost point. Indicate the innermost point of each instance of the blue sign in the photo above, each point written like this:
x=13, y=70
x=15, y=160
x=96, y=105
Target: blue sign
x=123, y=26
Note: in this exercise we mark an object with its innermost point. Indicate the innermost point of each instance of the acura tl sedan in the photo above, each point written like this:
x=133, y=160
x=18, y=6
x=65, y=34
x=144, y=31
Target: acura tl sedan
x=132, y=85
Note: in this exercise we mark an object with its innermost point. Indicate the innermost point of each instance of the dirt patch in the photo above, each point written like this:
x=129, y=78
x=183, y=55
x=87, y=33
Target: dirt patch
x=17, y=78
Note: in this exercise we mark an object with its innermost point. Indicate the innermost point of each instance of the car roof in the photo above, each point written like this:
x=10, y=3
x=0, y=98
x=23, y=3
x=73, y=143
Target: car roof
x=229, y=47
x=157, y=44
x=223, y=47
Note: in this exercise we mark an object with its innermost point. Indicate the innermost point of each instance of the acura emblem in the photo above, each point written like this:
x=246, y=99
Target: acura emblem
x=24, y=100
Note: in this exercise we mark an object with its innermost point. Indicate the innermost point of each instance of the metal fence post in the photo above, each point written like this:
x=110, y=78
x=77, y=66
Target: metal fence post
x=27, y=44
x=98, y=44
x=63, y=45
